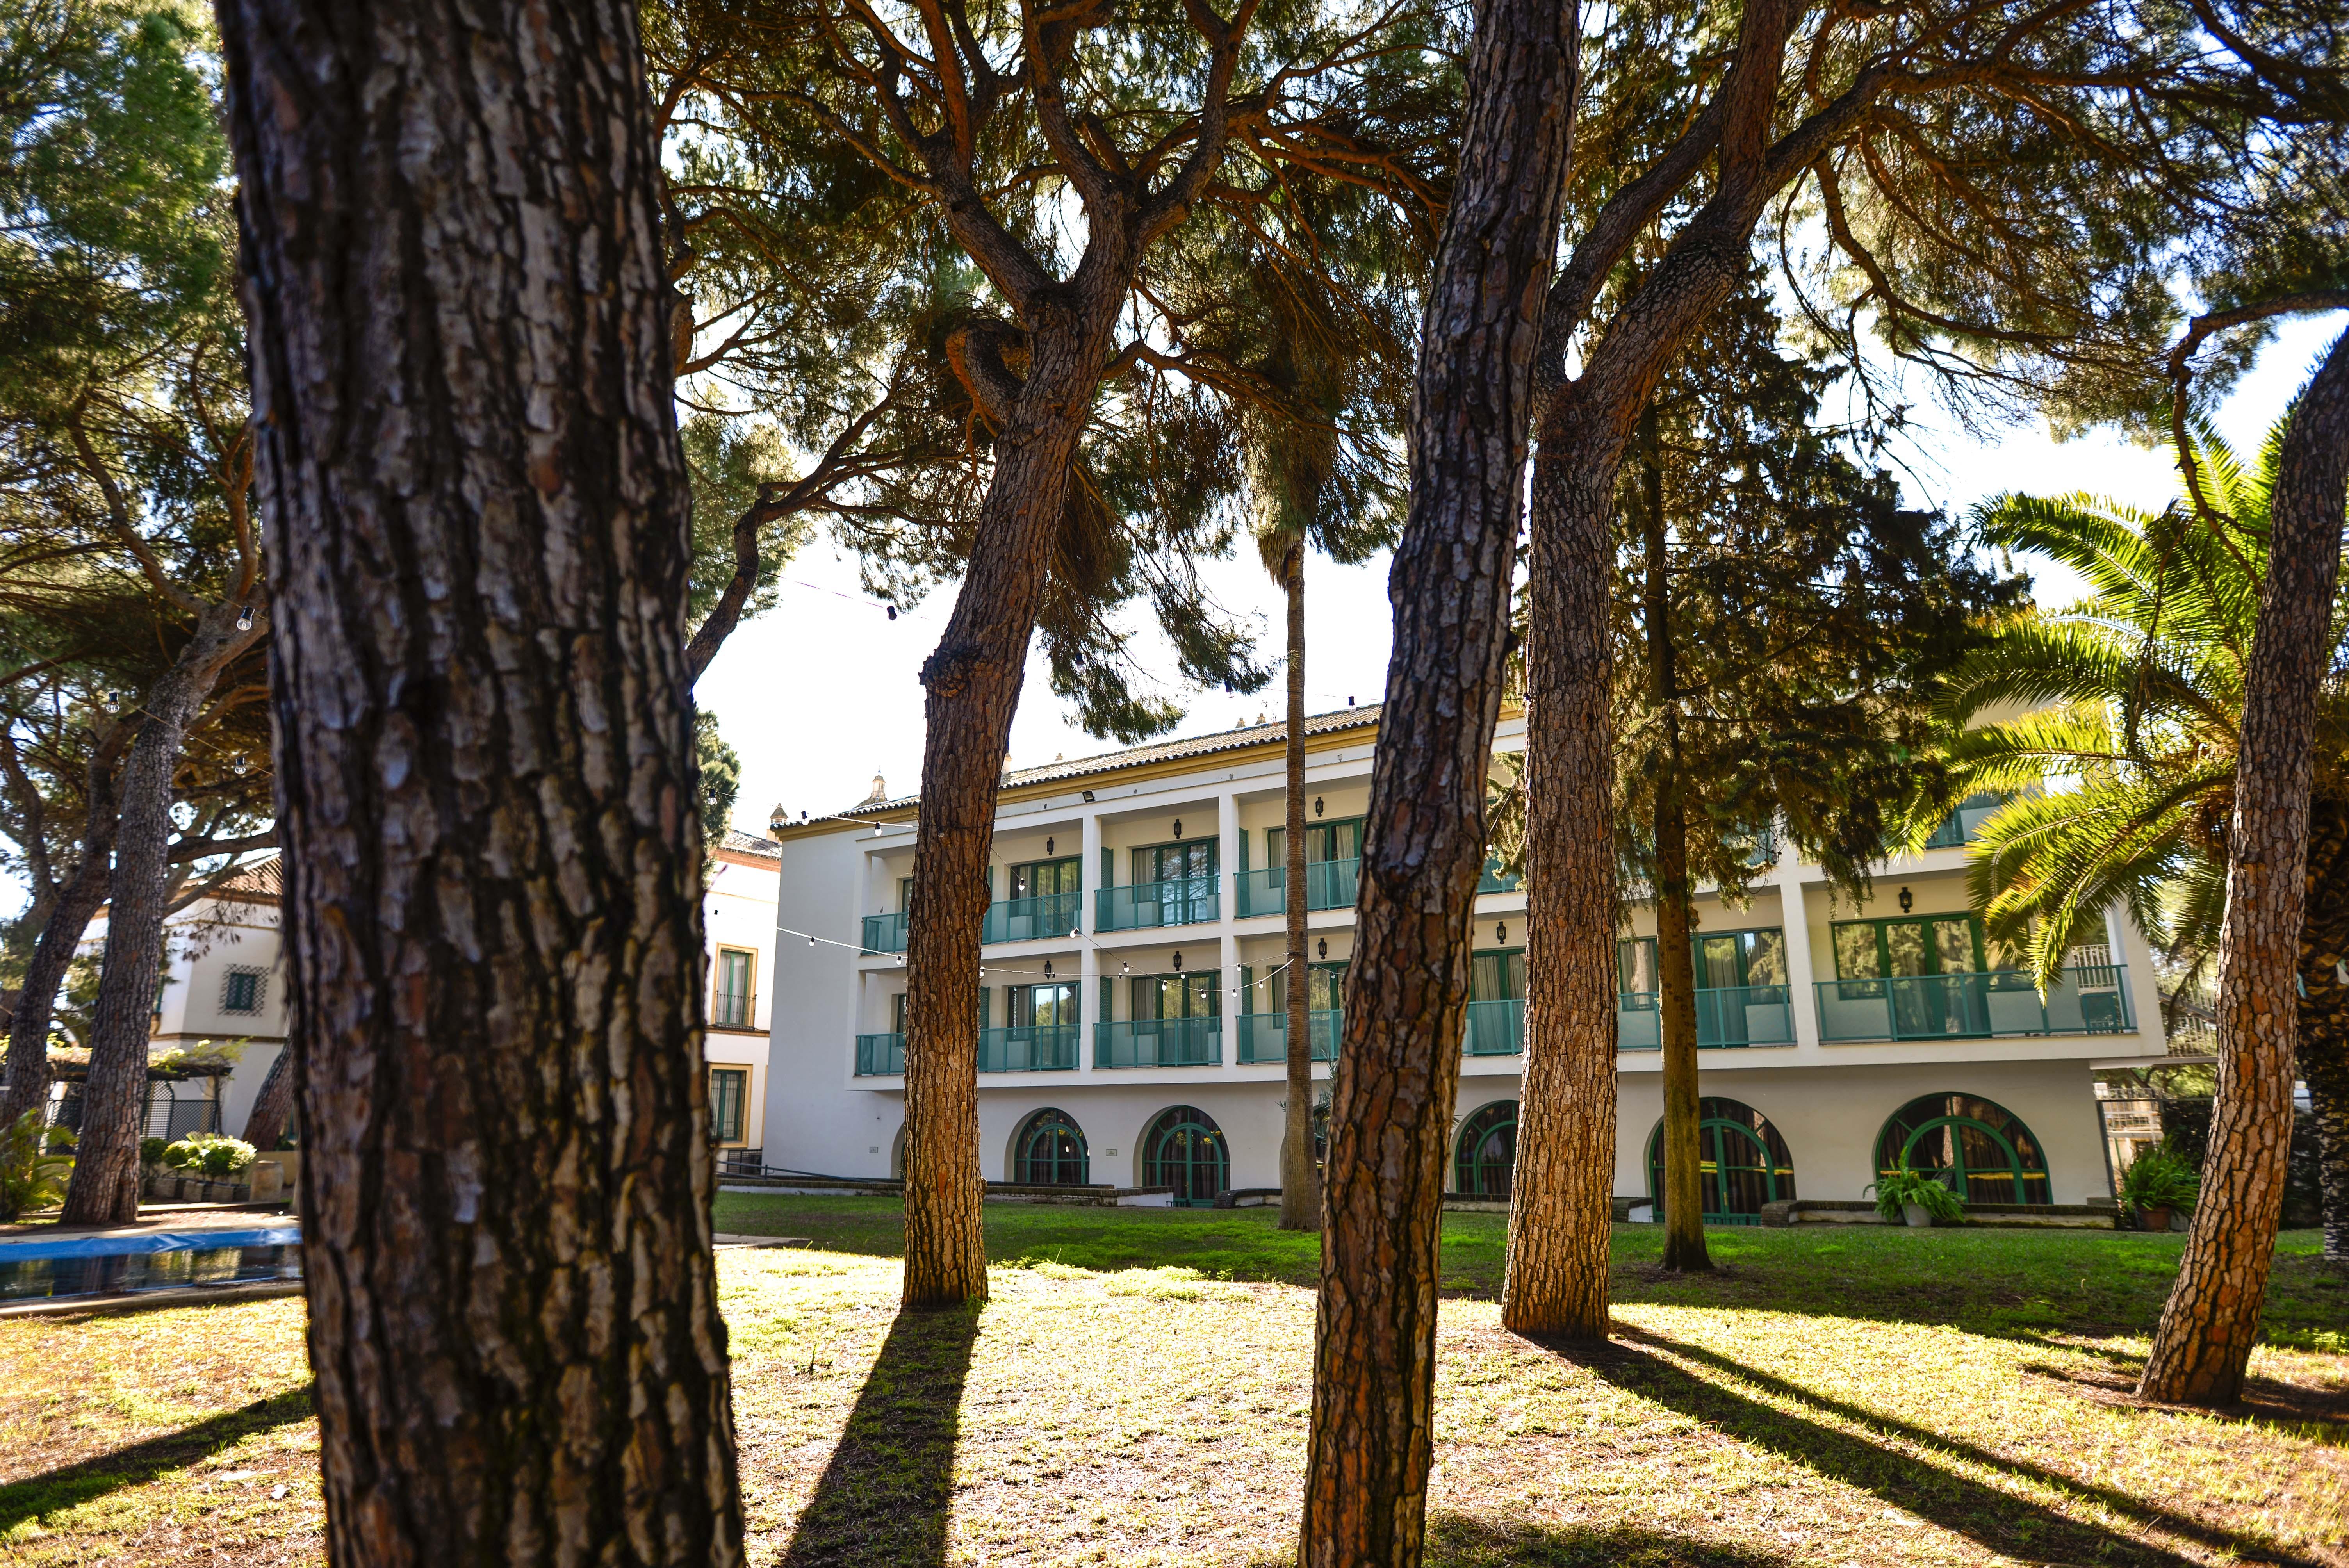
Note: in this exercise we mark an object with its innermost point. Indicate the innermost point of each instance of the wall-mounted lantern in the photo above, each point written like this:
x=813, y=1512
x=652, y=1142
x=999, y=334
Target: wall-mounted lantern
x=1324, y=949
x=1501, y=932
x=1178, y=963
x=1316, y=805
x=1908, y=900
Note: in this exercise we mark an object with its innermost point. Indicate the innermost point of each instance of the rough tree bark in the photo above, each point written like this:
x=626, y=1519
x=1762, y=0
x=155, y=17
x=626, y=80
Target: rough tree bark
x=105, y=1186
x=972, y=687
x=2212, y=1317
x=1683, y=1192
x=2322, y=1046
x=77, y=904
x=1300, y=1176
x=1424, y=835
x=1557, y=1280
x=478, y=501
x=264, y=1124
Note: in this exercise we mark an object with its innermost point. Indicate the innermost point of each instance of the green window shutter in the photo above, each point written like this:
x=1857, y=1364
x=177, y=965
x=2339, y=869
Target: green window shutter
x=1275, y=848
x=1247, y=981
x=897, y=1013
x=1109, y=867
x=1244, y=839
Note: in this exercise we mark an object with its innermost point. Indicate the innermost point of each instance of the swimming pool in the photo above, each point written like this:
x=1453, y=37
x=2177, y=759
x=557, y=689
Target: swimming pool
x=44, y=1268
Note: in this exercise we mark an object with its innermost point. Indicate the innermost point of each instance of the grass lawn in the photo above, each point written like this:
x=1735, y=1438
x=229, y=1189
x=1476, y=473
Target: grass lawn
x=1135, y=1392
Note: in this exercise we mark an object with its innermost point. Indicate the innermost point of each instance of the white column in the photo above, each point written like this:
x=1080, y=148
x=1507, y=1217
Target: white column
x=1802, y=996
x=1088, y=957
x=1228, y=905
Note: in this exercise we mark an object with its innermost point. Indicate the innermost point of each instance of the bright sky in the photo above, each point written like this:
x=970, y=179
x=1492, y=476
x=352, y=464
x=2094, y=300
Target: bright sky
x=823, y=691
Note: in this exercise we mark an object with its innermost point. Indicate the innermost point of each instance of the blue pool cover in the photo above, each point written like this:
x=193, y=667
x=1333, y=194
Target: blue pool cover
x=31, y=1250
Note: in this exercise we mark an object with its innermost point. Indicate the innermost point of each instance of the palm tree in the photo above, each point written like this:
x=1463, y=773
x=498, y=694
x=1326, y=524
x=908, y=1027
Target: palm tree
x=2132, y=701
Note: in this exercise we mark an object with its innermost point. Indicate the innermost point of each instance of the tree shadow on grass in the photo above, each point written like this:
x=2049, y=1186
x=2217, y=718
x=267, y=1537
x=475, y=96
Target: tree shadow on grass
x=884, y=1497
x=86, y=1479
x=1994, y=1519
x=1467, y=1540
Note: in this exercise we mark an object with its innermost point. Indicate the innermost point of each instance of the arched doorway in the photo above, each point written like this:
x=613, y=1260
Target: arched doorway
x=1487, y=1151
x=1184, y=1150
x=1978, y=1147
x=1743, y=1163
x=1049, y=1152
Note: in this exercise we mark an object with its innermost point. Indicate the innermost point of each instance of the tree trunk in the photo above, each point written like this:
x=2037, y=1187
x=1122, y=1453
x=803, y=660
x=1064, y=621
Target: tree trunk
x=1683, y=1191
x=1300, y=1175
x=265, y=1125
x=1559, y=1228
x=972, y=685
x=1424, y=837
x=459, y=321
x=78, y=902
x=2322, y=1047
x=2212, y=1317
x=105, y=1186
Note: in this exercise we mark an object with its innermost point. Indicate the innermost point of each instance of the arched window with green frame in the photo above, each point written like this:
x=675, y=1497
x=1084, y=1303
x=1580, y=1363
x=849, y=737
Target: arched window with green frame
x=1487, y=1151
x=1185, y=1149
x=1051, y=1151
x=1743, y=1162
x=1978, y=1147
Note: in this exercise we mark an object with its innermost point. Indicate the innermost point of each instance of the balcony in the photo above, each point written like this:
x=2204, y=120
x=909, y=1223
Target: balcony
x=1496, y=1028
x=1028, y=919
x=2000, y=1003
x=880, y=1055
x=1047, y=1049
x=1139, y=906
x=1159, y=1043
x=733, y=1009
x=885, y=933
x=1726, y=1016
x=1264, y=1037
x=1962, y=824
x=1496, y=881
x=1329, y=884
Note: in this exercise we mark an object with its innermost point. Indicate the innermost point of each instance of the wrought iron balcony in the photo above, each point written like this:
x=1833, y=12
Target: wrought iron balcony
x=880, y=1055
x=1726, y=1016
x=1034, y=1050
x=1264, y=1037
x=1028, y=919
x=1141, y=905
x=885, y=933
x=1159, y=1043
x=1329, y=884
x=1996, y=1003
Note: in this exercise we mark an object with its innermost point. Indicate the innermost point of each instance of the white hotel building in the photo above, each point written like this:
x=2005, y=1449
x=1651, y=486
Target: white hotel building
x=1132, y=1040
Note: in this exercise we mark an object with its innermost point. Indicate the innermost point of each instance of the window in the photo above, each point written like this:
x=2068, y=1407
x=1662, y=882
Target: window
x=1051, y=1151
x=1044, y=1007
x=1742, y=1160
x=243, y=991
x=730, y=1002
x=1325, y=988
x=1324, y=841
x=897, y=1009
x=1046, y=879
x=1196, y=995
x=1184, y=1150
x=1487, y=1152
x=727, y=1086
x=1978, y=1147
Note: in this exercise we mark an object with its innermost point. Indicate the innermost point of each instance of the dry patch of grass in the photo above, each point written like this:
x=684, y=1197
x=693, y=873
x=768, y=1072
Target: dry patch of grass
x=1151, y=1412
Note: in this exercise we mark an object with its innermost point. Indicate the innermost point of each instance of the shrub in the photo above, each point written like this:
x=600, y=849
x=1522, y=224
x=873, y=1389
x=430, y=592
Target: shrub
x=150, y=1151
x=1905, y=1186
x=2160, y=1177
x=31, y=1177
x=209, y=1154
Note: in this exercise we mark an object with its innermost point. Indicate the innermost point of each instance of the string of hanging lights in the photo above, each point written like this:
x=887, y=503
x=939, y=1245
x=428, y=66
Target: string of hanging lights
x=1125, y=966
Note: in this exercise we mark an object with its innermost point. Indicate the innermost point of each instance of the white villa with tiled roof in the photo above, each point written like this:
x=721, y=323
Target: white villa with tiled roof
x=1133, y=1041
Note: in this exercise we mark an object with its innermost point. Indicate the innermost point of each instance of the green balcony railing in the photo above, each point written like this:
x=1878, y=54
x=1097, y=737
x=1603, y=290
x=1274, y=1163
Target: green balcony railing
x=1997, y=1004
x=1045, y=1049
x=1028, y=919
x=1726, y=1016
x=1961, y=825
x=885, y=933
x=1496, y=881
x=1159, y=1043
x=880, y=1055
x=1496, y=1028
x=1329, y=884
x=1264, y=1037
x=1139, y=905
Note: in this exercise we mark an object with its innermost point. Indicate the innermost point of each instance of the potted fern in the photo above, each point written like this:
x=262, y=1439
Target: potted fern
x=1915, y=1196
x=2157, y=1184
